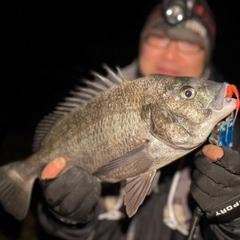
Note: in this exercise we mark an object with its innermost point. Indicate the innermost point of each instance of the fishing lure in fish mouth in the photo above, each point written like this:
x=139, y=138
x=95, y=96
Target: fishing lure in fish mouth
x=232, y=89
x=222, y=134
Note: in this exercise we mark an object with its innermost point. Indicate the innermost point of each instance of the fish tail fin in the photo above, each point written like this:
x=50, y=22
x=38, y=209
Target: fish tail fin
x=15, y=189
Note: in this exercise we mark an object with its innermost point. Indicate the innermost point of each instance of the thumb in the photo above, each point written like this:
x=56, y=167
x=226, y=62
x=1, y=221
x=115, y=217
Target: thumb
x=213, y=152
x=53, y=168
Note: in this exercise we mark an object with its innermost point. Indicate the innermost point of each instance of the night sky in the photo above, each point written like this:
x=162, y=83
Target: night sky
x=48, y=47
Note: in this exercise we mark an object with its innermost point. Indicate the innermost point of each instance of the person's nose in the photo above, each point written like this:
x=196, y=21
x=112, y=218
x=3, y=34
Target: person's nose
x=171, y=52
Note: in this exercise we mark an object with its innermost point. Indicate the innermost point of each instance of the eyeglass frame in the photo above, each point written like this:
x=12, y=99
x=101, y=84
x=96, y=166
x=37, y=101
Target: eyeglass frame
x=170, y=40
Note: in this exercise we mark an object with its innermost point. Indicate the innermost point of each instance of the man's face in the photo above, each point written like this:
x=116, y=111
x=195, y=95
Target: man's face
x=161, y=55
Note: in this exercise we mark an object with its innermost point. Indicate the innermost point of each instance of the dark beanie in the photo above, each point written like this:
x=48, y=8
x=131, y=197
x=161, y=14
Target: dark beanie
x=199, y=28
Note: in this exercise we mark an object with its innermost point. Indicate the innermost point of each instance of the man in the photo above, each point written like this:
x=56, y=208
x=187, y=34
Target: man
x=73, y=202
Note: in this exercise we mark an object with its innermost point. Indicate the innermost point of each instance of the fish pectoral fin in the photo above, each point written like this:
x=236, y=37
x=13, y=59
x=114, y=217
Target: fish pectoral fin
x=15, y=192
x=136, y=190
x=130, y=164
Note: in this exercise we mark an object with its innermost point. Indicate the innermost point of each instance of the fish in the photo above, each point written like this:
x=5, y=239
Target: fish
x=120, y=130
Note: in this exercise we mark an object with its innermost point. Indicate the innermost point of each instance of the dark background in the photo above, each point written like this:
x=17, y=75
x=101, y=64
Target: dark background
x=47, y=47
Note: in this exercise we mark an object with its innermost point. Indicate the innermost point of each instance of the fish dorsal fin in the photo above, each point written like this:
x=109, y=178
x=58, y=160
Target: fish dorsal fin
x=117, y=78
x=79, y=96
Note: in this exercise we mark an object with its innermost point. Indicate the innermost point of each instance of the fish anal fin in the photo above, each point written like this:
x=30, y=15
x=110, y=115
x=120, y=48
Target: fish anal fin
x=130, y=164
x=136, y=190
x=15, y=192
x=154, y=185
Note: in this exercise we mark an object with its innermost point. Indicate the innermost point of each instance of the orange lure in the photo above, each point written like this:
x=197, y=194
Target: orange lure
x=232, y=89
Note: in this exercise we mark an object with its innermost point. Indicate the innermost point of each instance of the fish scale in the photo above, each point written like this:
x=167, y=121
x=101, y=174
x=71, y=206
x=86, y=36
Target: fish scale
x=123, y=131
x=101, y=122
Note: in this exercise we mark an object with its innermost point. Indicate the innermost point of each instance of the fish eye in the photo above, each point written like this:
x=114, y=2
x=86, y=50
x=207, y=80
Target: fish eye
x=187, y=92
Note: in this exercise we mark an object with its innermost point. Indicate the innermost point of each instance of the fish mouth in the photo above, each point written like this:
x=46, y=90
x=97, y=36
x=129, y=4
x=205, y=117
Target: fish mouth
x=221, y=100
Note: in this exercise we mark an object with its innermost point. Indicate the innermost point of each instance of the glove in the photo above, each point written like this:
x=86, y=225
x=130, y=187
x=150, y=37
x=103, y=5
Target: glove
x=216, y=183
x=72, y=196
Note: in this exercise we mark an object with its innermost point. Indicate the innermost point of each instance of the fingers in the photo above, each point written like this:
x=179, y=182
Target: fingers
x=62, y=186
x=53, y=168
x=212, y=152
x=208, y=170
x=73, y=194
x=227, y=159
x=206, y=184
x=230, y=161
x=82, y=198
x=224, y=157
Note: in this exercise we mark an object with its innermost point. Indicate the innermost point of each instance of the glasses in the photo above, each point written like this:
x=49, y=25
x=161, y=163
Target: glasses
x=162, y=42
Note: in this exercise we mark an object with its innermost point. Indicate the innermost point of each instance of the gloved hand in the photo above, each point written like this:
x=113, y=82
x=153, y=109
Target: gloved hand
x=72, y=195
x=216, y=183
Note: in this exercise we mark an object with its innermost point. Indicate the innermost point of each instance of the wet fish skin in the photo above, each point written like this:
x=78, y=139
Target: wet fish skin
x=126, y=133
